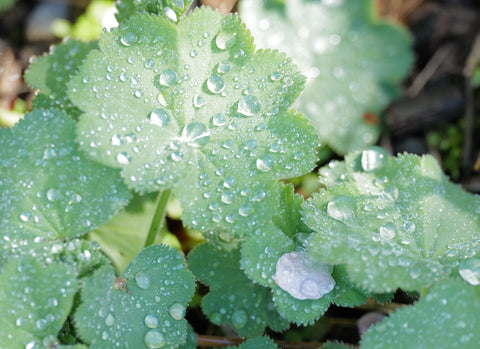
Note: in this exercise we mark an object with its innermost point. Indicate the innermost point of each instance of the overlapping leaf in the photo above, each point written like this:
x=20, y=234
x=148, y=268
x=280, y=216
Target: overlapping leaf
x=171, y=10
x=233, y=298
x=257, y=343
x=196, y=109
x=354, y=62
x=34, y=302
x=48, y=190
x=394, y=222
x=51, y=73
x=447, y=317
x=143, y=309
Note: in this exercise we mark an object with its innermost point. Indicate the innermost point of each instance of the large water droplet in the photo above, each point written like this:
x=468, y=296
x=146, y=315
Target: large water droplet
x=51, y=195
x=159, y=117
x=265, y=163
x=215, y=83
x=239, y=318
x=151, y=321
x=143, y=280
x=154, y=339
x=196, y=134
x=128, y=39
x=373, y=159
x=177, y=311
x=469, y=270
x=249, y=105
x=342, y=208
x=168, y=77
x=225, y=40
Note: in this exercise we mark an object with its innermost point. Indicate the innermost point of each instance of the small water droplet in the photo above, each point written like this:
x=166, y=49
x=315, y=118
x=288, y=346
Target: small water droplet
x=216, y=318
x=249, y=105
x=159, y=117
x=109, y=320
x=387, y=231
x=154, y=339
x=224, y=67
x=143, y=280
x=168, y=77
x=225, y=40
x=151, y=321
x=218, y=119
x=177, y=311
x=215, y=83
x=469, y=270
x=198, y=101
x=25, y=216
x=227, y=197
x=239, y=318
x=265, y=163
x=170, y=14
x=123, y=158
x=342, y=208
x=51, y=195
x=128, y=39
x=275, y=76
x=373, y=159
x=196, y=134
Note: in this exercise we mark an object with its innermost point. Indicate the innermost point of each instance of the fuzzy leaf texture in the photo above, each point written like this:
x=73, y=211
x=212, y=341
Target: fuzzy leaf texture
x=50, y=74
x=259, y=342
x=144, y=308
x=354, y=62
x=233, y=298
x=48, y=189
x=194, y=108
x=395, y=222
x=34, y=302
x=447, y=317
x=171, y=10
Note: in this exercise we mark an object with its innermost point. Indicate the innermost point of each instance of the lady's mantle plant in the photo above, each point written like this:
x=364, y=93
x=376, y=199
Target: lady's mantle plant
x=187, y=105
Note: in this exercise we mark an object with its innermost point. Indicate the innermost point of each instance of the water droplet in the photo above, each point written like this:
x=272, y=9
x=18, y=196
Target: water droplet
x=373, y=159
x=159, y=117
x=51, y=195
x=216, y=318
x=154, y=339
x=116, y=140
x=342, y=208
x=128, y=39
x=168, y=77
x=239, y=318
x=218, y=119
x=149, y=63
x=249, y=105
x=170, y=14
x=196, y=134
x=151, y=321
x=40, y=324
x=198, y=101
x=123, y=158
x=265, y=163
x=215, y=83
x=224, y=67
x=227, y=197
x=244, y=210
x=109, y=320
x=387, y=231
x=469, y=270
x=225, y=40
x=177, y=311
x=25, y=216
x=143, y=280
x=275, y=76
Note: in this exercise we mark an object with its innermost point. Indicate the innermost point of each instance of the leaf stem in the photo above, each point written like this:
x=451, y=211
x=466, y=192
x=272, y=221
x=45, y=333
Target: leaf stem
x=158, y=217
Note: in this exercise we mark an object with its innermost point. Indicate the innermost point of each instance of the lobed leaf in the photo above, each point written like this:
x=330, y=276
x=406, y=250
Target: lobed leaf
x=171, y=10
x=48, y=190
x=194, y=108
x=394, y=222
x=50, y=74
x=259, y=342
x=144, y=308
x=35, y=300
x=447, y=317
x=233, y=299
x=354, y=62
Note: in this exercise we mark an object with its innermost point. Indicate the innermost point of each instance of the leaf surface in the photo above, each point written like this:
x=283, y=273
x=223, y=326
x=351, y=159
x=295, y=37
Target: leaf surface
x=171, y=10
x=144, y=308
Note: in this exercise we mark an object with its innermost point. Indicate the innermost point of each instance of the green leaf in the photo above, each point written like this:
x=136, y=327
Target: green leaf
x=233, y=298
x=171, y=10
x=394, y=222
x=34, y=301
x=447, y=317
x=354, y=62
x=48, y=190
x=259, y=342
x=51, y=73
x=142, y=309
x=194, y=108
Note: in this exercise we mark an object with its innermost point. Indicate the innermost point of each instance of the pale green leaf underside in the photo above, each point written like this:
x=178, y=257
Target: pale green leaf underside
x=48, y=190
x=447, y=317
x=394, y=222
x=353, y=62
x=51, y=73
x=193, y=107
x=143, y=308
x=169, y=9
x=34, y=300
x=233, y=298
x=259, y=342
